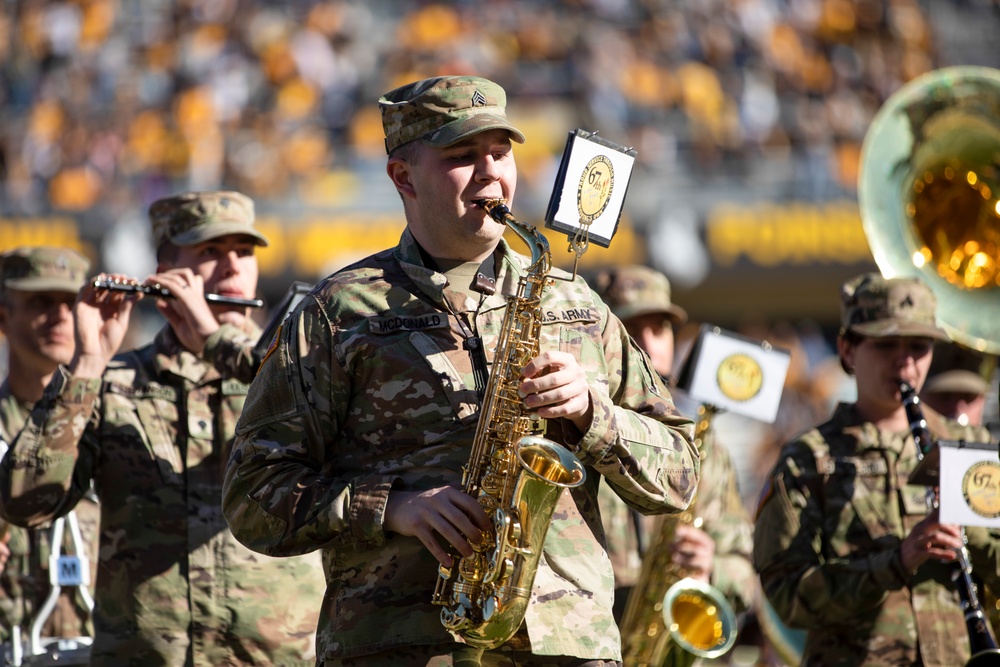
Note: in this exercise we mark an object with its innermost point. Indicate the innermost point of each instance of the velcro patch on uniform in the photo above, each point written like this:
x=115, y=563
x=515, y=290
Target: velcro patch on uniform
x=765, y=494
x=571, y=315
x=394, y=323
x=850, y=466
x=861, y=467
x=150, y=390
x=271, y=348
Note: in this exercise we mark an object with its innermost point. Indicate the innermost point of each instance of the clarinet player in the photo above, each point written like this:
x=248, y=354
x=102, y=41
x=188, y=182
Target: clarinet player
x=845, y=547
x=360, y=420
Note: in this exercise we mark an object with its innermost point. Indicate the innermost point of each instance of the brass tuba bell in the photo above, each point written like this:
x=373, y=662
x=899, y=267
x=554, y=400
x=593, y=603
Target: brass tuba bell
x=929, y=194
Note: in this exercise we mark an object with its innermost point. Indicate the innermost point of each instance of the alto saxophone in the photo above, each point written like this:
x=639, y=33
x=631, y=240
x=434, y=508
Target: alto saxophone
x=515, y=473
x=670, y=619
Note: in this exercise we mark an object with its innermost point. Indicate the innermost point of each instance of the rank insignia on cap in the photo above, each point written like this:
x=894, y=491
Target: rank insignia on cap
x=478, y=99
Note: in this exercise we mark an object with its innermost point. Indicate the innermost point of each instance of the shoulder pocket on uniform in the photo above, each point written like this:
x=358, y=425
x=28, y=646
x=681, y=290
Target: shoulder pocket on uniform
x=150, y=414
x=463, y=398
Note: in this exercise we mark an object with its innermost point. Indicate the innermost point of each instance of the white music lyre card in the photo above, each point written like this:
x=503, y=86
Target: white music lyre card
x=590, y=187
x=736, y=373
x=969, y=484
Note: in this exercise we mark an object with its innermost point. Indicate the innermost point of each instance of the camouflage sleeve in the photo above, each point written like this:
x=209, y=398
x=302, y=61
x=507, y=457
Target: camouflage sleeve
x=276, y=497
x=721, y=507
x=230, y=351
x=638, y=440
x=11, y=590
x=807, y=588
x=984, y=554
x=40, y=478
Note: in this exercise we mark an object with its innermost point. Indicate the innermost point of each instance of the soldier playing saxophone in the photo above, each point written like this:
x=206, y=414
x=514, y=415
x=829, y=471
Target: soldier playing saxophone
x=719, y=554
x=361, y=418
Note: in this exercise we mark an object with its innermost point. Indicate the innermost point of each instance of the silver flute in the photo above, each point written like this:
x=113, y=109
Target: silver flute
x=161, y=291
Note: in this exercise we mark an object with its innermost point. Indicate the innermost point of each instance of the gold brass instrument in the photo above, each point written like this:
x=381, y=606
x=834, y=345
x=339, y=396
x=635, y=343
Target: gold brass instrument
x=515, y=473
x=671, y=619
x=158, y=290
x=928, y=191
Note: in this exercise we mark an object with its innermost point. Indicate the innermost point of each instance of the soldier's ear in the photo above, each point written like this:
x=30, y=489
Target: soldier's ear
x=399, y=173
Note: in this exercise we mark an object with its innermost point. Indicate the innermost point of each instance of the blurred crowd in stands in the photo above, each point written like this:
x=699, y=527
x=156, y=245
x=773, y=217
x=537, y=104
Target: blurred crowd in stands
x=111, y=102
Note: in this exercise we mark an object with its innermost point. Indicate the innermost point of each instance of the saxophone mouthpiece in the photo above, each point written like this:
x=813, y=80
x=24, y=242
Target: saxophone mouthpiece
x=495, y=208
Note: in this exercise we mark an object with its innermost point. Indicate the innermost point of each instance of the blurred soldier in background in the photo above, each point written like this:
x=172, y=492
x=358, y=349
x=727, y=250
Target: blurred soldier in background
x=38, y=286
x=153, y=428
x=955, y=384
x=846, y=547
x=718, y=553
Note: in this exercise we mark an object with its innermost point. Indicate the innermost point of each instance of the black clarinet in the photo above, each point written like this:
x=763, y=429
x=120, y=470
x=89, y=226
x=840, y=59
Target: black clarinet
x=163, y=292
x=984, y=647
x=915, y=416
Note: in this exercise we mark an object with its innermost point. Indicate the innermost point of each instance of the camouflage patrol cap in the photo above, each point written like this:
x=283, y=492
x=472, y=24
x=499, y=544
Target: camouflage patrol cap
x=636, y=290
x=190, y=218
x=879, y=307
x=443, y=110
x=43, y=269
x=956, y=369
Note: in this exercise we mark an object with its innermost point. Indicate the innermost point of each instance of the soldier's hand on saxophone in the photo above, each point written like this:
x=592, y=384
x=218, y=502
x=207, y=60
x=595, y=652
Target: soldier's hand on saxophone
x=444, y=512
x=554, y=386
x=694, y=551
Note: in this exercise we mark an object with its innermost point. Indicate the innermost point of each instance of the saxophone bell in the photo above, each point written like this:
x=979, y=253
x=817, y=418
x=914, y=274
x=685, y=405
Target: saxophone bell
x=700, y=619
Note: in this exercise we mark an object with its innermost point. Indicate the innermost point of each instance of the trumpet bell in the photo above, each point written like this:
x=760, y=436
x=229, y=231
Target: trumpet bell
x=929, y=195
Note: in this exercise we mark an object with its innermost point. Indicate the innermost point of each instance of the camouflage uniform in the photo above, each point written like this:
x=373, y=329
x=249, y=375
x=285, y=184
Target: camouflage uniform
x=835, y=510
x=25, y=579
x=154, y=434
x=24, y=583
x=369, y=389
x=827, y=547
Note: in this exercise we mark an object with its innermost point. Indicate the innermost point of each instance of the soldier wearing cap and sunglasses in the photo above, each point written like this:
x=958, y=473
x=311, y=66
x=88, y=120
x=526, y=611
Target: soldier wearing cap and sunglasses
x=38, y=286
x=153, y=429
x=846, y=548
x=361, y=418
